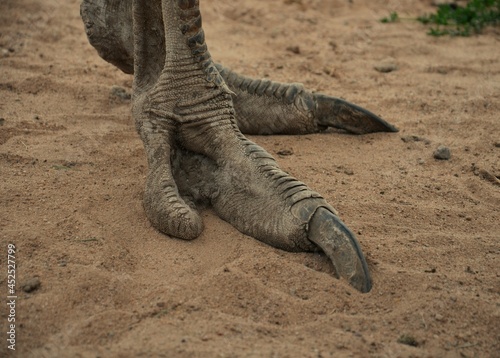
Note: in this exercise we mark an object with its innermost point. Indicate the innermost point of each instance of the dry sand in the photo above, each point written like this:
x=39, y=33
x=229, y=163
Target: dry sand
x=73, y=169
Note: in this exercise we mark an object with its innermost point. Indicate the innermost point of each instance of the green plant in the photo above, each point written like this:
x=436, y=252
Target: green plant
x=454, y=20
x=393, y=17
x=463, y=21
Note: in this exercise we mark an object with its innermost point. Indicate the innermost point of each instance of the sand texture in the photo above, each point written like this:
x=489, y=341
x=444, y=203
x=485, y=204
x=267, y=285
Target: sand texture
x=72, y=173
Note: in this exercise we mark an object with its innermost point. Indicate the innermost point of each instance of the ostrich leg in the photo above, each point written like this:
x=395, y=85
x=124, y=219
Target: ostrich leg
x=166, y=210
x=184, y=112
x=262, y=106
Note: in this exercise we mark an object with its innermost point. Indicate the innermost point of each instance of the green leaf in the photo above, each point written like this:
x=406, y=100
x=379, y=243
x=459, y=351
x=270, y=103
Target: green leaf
x=393, y=17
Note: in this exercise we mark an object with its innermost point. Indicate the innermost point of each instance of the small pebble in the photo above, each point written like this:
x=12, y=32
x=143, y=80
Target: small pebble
x=385, y=66
x=497, y=144
x=442, y=153
x=2, y=120
x=31, y=285
x=294, y=49
x=285, y=152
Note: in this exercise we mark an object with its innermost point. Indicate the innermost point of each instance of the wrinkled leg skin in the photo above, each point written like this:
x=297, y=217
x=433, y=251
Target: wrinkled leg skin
x=184, y=112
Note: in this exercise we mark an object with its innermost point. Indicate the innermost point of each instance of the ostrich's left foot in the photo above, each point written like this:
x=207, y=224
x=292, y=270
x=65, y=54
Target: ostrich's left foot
x=268, y=107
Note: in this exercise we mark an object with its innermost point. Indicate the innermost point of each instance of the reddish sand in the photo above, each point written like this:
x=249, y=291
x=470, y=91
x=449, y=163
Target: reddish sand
x=73, y=170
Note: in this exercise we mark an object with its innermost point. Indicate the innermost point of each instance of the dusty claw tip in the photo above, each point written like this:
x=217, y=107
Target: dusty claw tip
x=337, y=113
x=332, y=236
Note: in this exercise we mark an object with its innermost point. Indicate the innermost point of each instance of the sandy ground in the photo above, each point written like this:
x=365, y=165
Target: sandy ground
x=73, y=169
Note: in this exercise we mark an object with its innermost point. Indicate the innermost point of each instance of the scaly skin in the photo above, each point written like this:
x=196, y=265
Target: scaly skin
x=184, y=113
x=262, y=106
x=268, y=107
